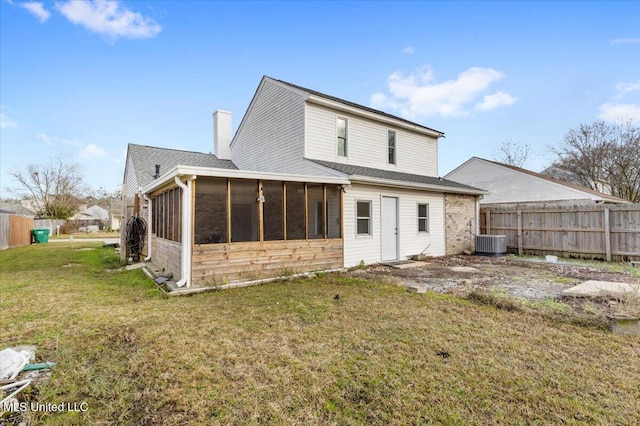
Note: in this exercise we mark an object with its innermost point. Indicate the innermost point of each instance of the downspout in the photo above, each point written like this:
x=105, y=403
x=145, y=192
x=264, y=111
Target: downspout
x=186, y=233
x=149, y=220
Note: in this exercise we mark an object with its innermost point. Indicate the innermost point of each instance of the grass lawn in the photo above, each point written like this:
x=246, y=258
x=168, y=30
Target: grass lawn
x=291, y=353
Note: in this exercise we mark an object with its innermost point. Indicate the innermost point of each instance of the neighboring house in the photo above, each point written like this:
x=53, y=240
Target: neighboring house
x=308, y=182
x=91, y=218
x=557, y=172
x=514, y=186
x=16, y=207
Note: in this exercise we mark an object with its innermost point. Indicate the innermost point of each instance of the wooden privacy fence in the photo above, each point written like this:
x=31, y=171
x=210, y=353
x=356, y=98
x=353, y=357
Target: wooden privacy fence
x=15, y=231
x=601, y=231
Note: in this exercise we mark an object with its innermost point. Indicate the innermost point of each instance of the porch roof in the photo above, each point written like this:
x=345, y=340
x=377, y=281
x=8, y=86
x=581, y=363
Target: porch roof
x=193, y=172
x=400, y=179
x=145, y=158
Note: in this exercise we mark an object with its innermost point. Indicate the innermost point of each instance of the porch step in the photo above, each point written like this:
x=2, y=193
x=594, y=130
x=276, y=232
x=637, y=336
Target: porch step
x=404, y=264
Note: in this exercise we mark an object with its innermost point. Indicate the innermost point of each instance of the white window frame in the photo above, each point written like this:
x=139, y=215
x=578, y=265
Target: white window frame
x=425, y=218
x=346, y=137
x=395, y=146
x=369, y=218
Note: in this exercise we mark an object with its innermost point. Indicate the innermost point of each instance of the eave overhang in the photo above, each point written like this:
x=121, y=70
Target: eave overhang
x=167, y=180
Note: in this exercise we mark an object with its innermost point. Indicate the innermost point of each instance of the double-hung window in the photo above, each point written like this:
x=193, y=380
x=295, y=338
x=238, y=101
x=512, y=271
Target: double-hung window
x=391, y=146
x=341, y=124
x=363, y=214
x=423, y=217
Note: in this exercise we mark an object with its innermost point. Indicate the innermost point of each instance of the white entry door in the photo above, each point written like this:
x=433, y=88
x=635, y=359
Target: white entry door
x=389, y=228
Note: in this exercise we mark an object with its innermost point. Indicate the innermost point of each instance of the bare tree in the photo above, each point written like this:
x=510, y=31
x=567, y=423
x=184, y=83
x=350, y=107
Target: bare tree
x=513, y=153
x=604, y=157
x=53, y=188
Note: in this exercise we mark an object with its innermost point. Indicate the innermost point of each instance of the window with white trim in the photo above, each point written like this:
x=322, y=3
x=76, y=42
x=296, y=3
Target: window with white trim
x=423, y=217
x=391, y=146
x=341, y=131
x=363, y=215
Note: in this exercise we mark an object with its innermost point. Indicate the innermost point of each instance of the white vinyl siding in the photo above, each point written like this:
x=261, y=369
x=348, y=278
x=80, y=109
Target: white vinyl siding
x=271, y=136
x=506, y=185
x=368, y=143
x=130, y=179
x=410, y=241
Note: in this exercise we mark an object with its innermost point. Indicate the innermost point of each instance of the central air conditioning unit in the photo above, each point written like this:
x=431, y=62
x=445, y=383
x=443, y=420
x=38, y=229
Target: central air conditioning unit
x=491, y=245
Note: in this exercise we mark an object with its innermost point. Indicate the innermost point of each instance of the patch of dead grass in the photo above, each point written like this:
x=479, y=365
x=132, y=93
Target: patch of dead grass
x=291, y=353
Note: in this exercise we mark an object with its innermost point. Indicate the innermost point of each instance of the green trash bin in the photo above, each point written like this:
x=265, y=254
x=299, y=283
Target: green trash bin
x=40, y=235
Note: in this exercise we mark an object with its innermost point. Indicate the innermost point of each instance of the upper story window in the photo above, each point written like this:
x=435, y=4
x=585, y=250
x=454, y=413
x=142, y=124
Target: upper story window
x=391, y=146
x=341, y=125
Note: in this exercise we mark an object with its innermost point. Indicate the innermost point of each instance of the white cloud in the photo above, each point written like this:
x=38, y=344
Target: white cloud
x=92, y=152
x=37, y=10
x=625, y=41
x=109, y=18
x=626, y=88
x=617, y=112
x=45, y=138
x=52, y=140
x=6, y=122
x=409, y=50
x=419, y=95
x=496, y=100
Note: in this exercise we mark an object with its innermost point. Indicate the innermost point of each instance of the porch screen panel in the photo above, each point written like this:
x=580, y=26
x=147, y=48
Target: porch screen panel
x=211, y=211
x=315, y=211
x=273, y=210
x=170, y=214
x=177, y=216
x=154, y=216
x=333, y=212
x=244, y=210
x=161, y=216
x=295, y=211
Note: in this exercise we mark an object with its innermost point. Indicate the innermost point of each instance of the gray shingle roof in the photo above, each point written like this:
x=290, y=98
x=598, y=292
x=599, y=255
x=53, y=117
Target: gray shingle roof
x=396, y=176
x=145, y=158
x=355, y=105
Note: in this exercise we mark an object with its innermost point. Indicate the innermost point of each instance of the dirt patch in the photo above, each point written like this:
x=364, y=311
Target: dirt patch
x=527, y=278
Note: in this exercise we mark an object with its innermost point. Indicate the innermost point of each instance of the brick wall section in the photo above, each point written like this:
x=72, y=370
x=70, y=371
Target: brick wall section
x=460, y=209
x=167, y=255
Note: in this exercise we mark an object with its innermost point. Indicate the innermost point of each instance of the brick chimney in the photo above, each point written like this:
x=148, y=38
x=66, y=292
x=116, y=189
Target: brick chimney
x=222, y=134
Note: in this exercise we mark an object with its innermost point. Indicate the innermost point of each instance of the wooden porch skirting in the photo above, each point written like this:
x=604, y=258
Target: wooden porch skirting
x=217, y=264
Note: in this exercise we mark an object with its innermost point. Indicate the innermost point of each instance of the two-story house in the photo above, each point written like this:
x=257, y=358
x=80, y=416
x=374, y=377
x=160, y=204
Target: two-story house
x=308, y=182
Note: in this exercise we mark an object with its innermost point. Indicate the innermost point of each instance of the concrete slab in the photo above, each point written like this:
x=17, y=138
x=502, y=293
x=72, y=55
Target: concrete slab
x=467, y=269
x=404, y=264
x=625, y=325
x=594, y=288
x=416, y=289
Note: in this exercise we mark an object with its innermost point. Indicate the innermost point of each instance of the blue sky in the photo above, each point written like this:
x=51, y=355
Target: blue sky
x=84, y=78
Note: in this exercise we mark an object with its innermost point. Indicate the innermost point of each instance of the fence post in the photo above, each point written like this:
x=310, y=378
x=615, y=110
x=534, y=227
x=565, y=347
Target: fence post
x=520, y=232
x=607, y=234
x=487, y=218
